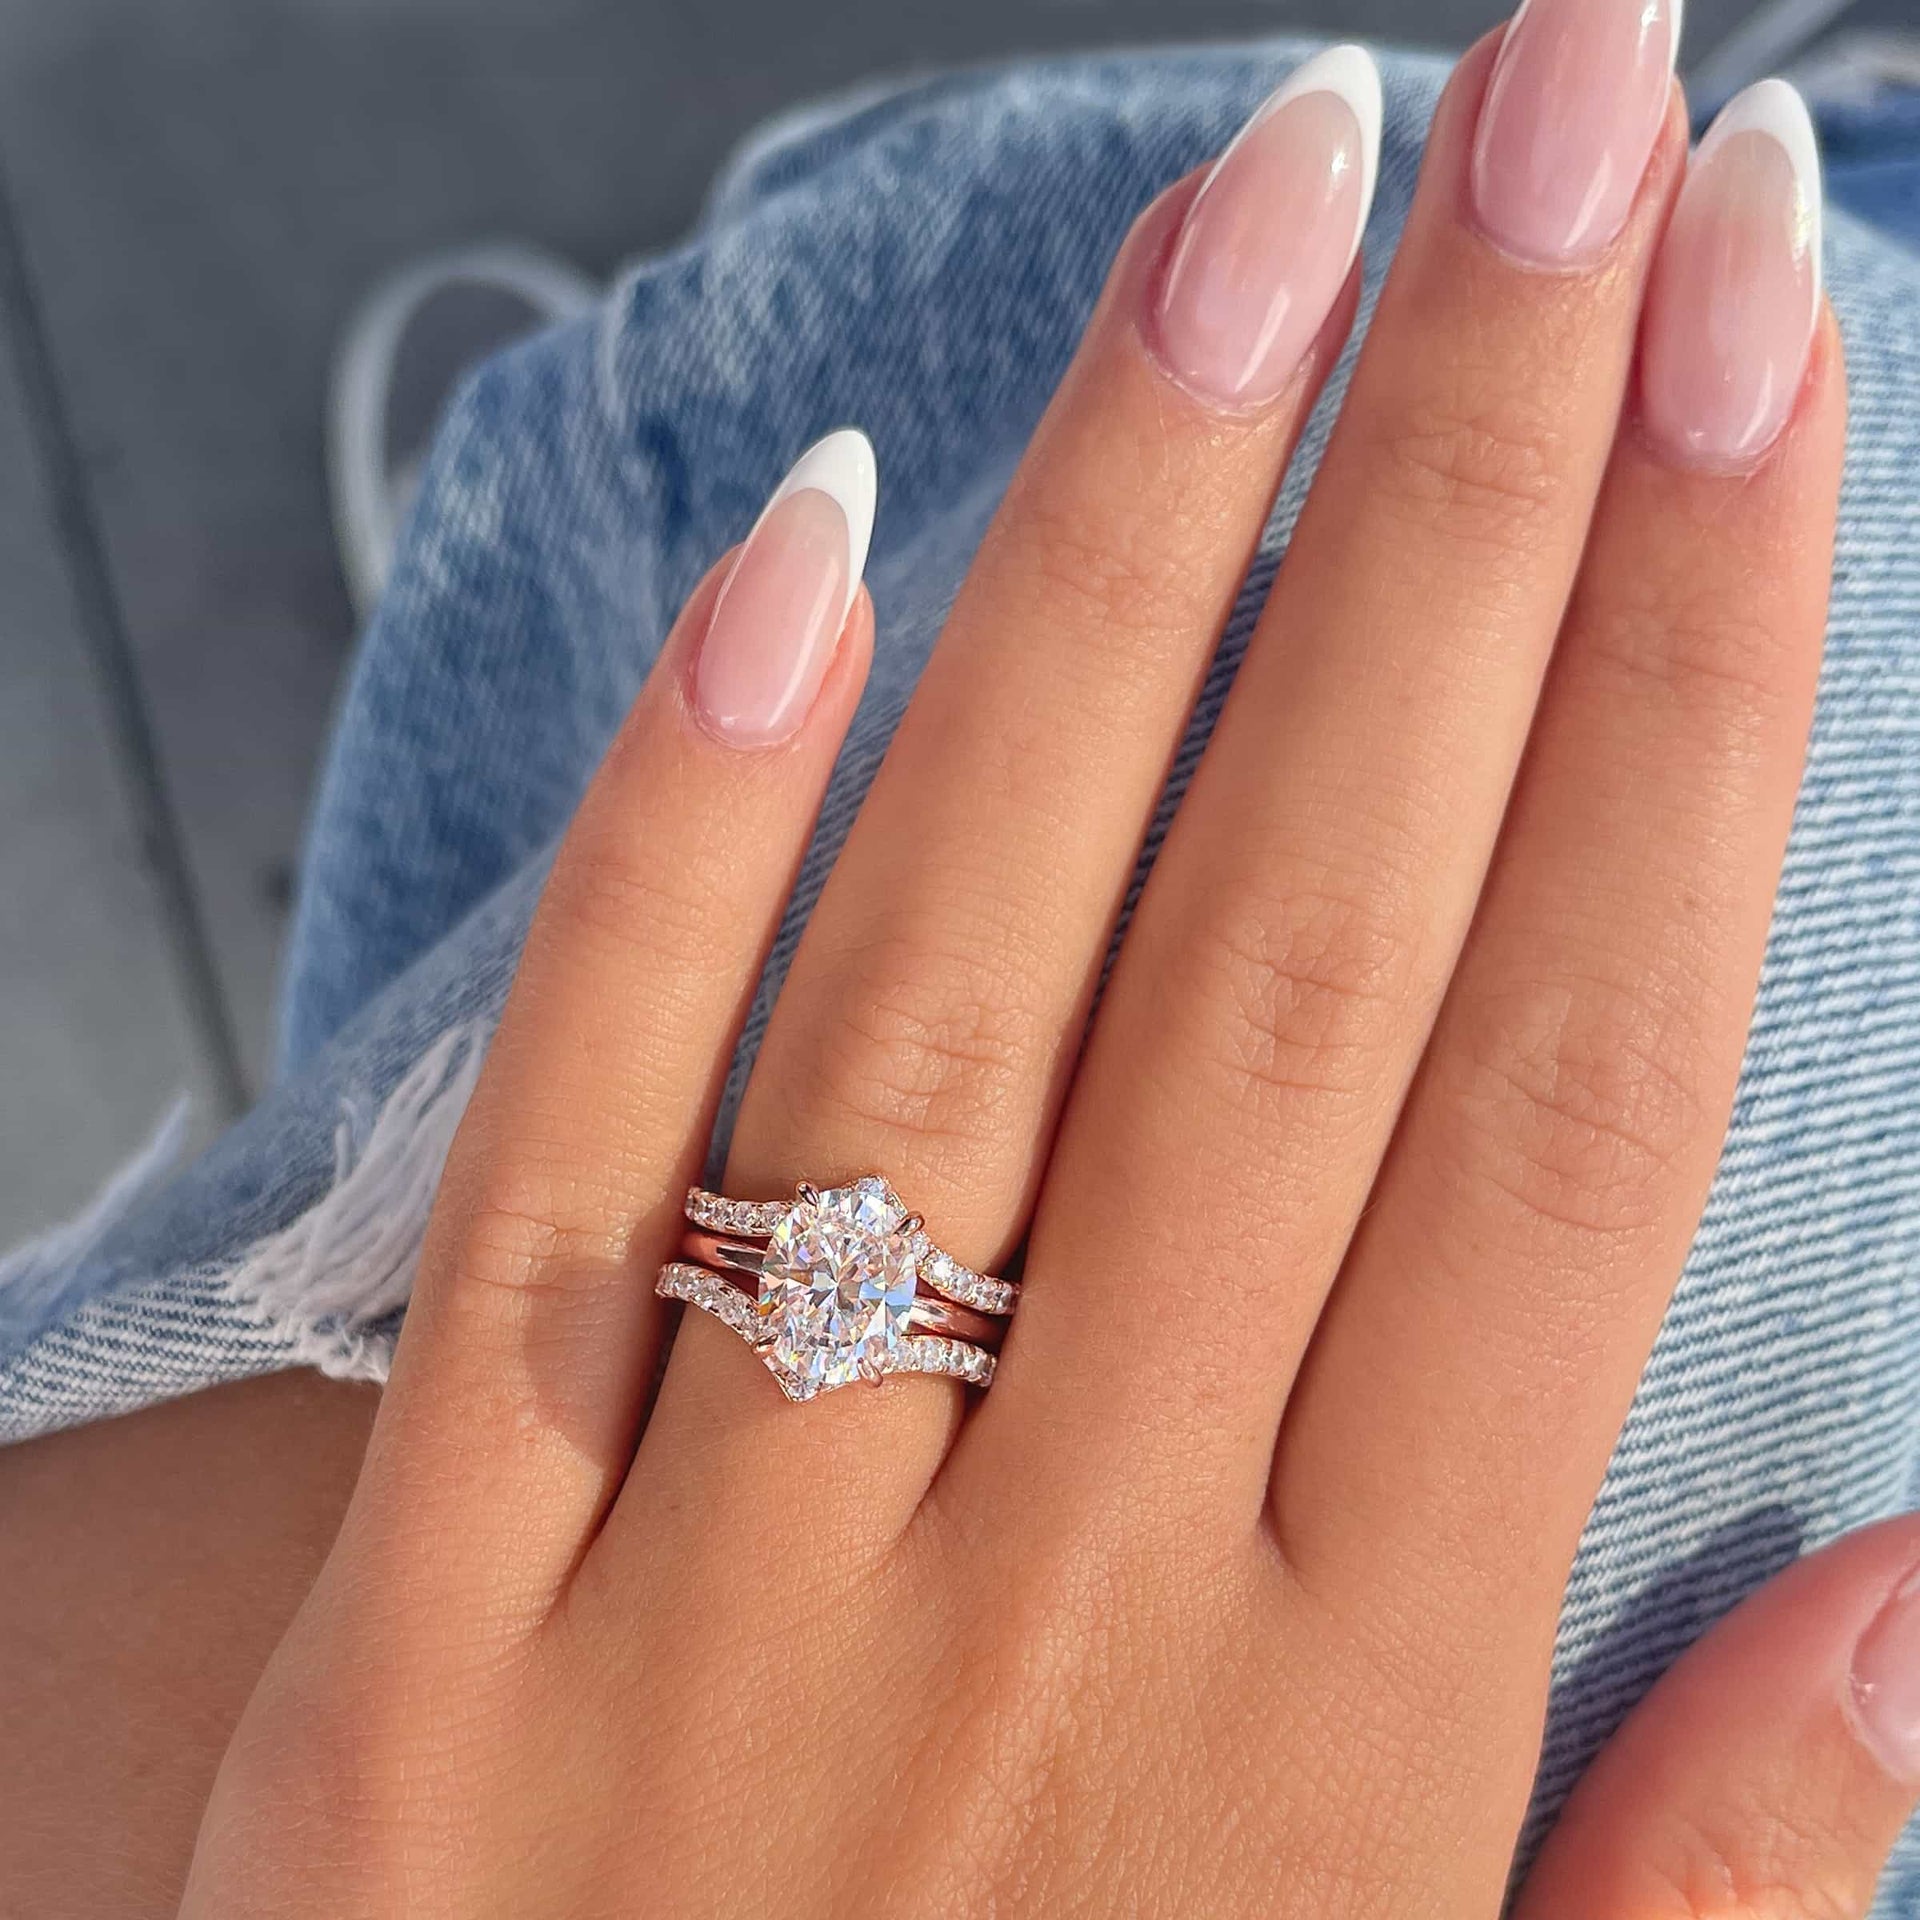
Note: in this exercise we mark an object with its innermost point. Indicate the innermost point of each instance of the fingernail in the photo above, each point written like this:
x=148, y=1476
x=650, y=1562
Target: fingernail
x=1735, y=291
x=1572, y=109
x=1886, y=1684
x=777, y=621
x=1270, y=236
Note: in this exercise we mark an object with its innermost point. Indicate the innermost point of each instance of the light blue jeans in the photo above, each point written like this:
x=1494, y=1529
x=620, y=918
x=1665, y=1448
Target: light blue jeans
x=920, y=262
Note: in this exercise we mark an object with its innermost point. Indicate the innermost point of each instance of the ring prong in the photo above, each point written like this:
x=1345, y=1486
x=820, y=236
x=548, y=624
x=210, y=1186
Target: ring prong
x=807, y=1194
x=912, y=1223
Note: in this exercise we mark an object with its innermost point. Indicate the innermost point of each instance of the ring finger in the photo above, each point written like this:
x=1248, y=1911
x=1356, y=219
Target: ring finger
x=934, y=1007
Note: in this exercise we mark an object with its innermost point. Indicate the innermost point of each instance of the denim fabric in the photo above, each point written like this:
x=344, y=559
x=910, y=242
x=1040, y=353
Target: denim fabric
x=1871, y=148
x=920, y=262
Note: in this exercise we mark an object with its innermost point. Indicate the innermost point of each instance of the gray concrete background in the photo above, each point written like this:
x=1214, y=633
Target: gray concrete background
x=193, y=196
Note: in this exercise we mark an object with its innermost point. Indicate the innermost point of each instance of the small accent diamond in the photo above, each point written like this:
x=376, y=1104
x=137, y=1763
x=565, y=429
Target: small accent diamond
x=930, y=1353
x=680, y=1280
x=944, y=1274
x=720, y=1215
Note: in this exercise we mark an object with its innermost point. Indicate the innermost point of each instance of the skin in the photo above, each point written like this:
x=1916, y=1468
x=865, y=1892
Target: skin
x=148, y=1566
x=1441, y=982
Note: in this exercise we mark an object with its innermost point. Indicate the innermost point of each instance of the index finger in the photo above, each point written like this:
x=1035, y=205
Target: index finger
x=534, y=1335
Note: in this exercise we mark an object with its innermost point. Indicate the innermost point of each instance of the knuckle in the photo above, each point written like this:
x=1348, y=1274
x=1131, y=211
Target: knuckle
x=926, y=1042
x=611, y=891
x=1304, y=992
x=1481, y=473
x=1728, y=672
x=516, y=1252
x=1121, y=575
x=1580, y=1098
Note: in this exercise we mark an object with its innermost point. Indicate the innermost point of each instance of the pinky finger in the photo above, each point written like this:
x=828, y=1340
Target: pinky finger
x=1770, y=1771
x=534, y=1335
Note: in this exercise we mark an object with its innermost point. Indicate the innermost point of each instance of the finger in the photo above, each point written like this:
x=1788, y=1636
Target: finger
x=534, y=1334
x=1770, y=1771
x=934, y=1007
x=1291, y=946
x=1478, y=1357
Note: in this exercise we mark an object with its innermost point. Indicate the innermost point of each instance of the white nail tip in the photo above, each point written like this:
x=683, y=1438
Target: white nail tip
x=1348, y=72
x=842, y=467
x=1775, y=108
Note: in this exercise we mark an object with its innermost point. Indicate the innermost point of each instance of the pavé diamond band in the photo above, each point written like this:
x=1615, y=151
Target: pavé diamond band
x=847, y=1286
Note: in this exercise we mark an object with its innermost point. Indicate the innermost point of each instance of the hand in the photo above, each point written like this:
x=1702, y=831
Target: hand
x=1348, y=1229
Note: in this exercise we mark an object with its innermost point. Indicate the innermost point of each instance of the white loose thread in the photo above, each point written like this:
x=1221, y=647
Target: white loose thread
x=328, y=1279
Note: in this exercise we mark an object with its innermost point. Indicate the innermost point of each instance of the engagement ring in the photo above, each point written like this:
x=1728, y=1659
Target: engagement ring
x=837, y=1285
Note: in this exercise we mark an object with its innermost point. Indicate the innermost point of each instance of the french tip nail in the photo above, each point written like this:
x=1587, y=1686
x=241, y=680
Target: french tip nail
x=1772, y=107
x=1733, y=301
x=1676, y=25
x=1270, y=237
x=1775, y=108
x=842, y=466
x=778, y=615
x=1574, y=103
x=1350, y=72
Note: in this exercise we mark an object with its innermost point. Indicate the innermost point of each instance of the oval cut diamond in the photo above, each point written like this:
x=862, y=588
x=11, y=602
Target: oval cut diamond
x=838, y=1284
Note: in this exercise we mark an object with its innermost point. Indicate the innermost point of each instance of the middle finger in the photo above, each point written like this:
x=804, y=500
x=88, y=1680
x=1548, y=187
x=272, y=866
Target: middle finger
x=1289, y=952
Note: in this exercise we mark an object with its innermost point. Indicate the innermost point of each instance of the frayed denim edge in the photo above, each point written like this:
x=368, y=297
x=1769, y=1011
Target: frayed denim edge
x=334, y=1281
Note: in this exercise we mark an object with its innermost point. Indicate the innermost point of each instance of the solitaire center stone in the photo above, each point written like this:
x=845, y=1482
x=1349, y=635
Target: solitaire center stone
x=837, y=1284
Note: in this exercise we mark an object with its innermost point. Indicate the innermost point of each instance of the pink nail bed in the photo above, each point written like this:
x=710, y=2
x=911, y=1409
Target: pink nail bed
x=774, y=627
x=1735, y=292
x=1885, y=1685
x=1268, y=241
x=1573, y=107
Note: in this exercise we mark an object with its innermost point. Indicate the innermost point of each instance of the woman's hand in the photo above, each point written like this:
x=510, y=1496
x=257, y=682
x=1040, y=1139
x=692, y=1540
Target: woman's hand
x=1349, y=1224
